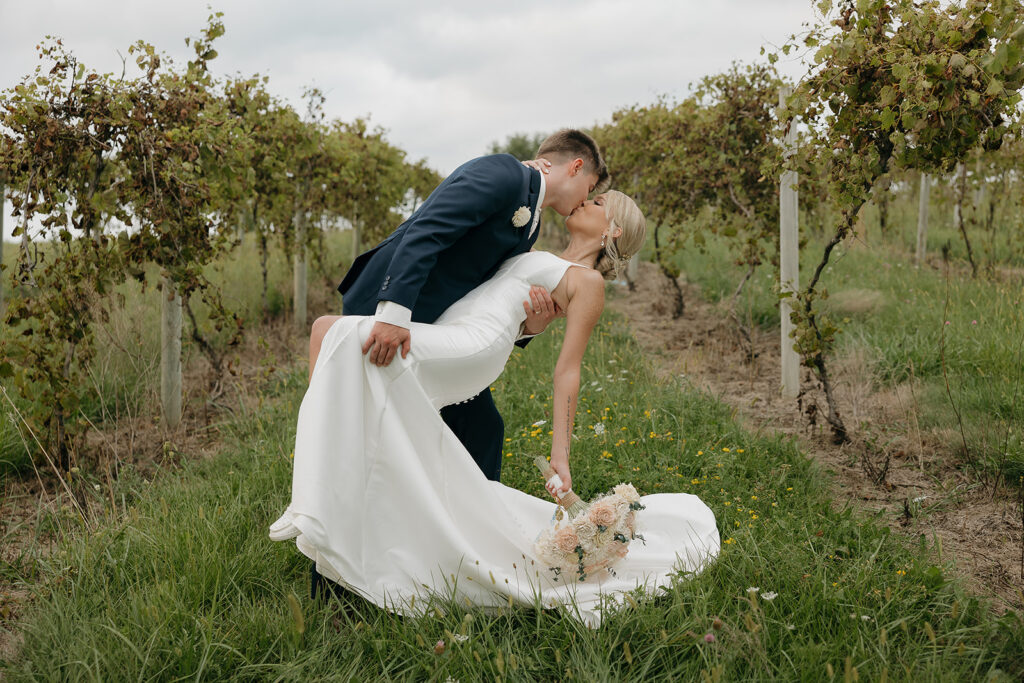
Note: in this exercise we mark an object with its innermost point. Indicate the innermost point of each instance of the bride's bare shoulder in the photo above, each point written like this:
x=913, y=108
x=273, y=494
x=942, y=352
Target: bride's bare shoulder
x=585, y=281
x=588, y=277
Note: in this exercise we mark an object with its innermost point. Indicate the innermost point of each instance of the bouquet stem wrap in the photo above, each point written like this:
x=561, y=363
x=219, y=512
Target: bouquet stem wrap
x=569, y=500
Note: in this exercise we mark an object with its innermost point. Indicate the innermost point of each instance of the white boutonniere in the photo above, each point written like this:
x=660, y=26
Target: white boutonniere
x=521, y=217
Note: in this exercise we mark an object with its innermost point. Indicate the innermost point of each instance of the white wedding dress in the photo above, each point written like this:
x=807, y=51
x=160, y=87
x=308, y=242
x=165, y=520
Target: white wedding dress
x=389, y=503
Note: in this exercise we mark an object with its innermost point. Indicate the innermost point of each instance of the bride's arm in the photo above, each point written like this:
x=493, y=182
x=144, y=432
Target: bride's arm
x=585, y=289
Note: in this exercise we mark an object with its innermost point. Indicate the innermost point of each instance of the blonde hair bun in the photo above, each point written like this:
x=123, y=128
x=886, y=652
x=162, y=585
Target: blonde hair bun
x=622, y=212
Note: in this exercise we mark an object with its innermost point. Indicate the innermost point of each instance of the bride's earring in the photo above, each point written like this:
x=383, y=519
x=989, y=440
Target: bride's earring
x=602, y=241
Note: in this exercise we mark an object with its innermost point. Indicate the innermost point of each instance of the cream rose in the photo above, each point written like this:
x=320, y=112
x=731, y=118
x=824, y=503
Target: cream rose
x=627, y=492
x=566, y=540
x=585, y=529
x=602, y=513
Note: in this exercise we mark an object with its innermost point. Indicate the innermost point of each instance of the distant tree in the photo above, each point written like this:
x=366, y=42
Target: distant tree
x=422, y=180
x=520, y=145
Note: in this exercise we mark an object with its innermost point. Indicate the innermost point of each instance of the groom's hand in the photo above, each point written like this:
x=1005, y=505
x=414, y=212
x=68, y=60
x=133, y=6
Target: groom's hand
x=541, y=309
x=384, y=341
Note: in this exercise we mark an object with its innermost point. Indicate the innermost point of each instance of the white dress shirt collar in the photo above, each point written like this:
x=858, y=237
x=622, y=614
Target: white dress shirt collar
x=540, y=204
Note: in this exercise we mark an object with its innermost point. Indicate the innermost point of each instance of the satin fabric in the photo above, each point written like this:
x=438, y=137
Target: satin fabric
x=389, y=503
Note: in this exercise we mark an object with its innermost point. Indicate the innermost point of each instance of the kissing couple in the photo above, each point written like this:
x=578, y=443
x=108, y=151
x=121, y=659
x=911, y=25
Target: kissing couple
x=396, y=491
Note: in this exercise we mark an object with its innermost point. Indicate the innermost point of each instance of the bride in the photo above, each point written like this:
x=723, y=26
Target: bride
x=388, y=503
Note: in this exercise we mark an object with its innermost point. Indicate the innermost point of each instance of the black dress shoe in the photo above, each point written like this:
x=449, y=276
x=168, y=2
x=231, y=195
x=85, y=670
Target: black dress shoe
x=314, y=580
x=320, y=587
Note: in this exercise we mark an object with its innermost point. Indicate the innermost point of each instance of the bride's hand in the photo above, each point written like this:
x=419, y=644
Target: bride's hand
x=541, y=309
x=542, y=165
x=560, y=464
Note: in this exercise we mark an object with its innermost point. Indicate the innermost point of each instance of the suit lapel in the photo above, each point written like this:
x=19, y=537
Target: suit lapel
x=533, y=201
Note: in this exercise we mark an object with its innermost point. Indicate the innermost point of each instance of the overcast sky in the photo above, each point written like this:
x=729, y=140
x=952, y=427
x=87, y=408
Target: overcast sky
x=445, y=79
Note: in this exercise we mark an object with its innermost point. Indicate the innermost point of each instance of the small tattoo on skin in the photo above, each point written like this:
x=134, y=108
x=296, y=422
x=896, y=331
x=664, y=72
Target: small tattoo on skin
x=568, y=427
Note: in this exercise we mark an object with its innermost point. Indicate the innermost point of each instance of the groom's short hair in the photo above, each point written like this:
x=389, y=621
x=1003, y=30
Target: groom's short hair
x=568, y=144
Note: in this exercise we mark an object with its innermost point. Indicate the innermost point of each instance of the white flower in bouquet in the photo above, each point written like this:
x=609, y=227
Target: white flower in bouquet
x=586, y=530
x=627, y=492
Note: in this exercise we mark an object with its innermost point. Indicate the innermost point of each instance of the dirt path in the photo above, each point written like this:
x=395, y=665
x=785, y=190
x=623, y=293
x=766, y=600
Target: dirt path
x=920, y=493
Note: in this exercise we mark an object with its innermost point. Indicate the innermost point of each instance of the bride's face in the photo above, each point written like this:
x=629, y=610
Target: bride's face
x=589, y=218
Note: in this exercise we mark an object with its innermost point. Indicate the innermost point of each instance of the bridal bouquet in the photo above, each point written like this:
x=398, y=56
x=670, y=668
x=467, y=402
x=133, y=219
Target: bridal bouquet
x=593, y=536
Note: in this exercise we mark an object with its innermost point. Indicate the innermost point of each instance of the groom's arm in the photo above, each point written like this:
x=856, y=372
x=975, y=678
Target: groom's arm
x=489, y=185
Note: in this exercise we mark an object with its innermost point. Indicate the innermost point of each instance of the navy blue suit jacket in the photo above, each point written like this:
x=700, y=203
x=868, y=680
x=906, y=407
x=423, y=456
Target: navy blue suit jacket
x=453, y=242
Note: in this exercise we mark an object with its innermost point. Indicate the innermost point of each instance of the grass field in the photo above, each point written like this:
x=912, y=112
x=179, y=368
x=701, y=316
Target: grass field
x=957, y=341
x=174, y=578
x=182, y=583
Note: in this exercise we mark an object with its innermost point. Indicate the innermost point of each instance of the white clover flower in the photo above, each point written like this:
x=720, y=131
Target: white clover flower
x=459, y=638
x=599, y=429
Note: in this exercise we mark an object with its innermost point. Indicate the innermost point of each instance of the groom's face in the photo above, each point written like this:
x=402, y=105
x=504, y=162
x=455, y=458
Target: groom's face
x=576, y=190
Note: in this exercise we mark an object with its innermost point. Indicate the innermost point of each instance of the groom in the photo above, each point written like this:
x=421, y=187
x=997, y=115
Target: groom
x=486, y=211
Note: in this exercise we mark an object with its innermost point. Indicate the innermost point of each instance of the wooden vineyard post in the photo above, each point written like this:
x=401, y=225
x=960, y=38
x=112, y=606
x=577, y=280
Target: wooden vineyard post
x=170, y=355
x=789, y=260
x=3, y=212
x=958, y=179
x=299, y=273
x=979, y=188
x=240, y=227
x=922, y=220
